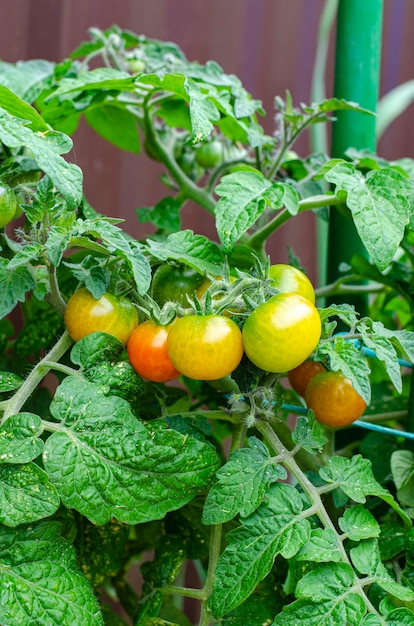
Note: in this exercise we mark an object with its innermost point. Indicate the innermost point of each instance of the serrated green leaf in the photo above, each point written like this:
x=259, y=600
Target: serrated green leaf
x=197, y=251
x=13, y=286
x=358, y=523
x=24, y=256
x=118, y=243
x=46, y=148
x=345, y=610
x=327, y=581
x=101, y=78
x=404, y=338
x=20, y=438
x=345, y=357
x=40, y=582
x=402, y=468
x=384, y=351
x=105, y=464
x=242, y=483
x=244, y=195
x=354, y=476
x=321, y=547
x=367, y=560
x=9, y=381
x=26, y=79
x=203, y=113
x=100, y=549
x=26, y=494
x=94, y=349
x=309, y=434
x=165, y=215
x=275, y=528
x=379, y=206
x=400, y=617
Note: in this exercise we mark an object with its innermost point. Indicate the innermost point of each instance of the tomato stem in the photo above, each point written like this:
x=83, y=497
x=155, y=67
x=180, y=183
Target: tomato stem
x=15, y=403
x=257, y=239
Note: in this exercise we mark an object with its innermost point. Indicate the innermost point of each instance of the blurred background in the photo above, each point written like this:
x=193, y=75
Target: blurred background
x=269, y=44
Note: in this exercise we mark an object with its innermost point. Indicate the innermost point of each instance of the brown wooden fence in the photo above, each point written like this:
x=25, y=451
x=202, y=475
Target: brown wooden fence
x=269, y=44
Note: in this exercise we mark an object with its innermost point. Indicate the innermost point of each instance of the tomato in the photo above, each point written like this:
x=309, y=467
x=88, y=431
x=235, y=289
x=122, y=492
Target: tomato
x=282, y=332
x=147, y=352
x=209, y=154
x=8, y=204
x=172, y=283
x=290, y=279
x=205, y=347
x=333, y=399
x=300, y=376
x=110, y=314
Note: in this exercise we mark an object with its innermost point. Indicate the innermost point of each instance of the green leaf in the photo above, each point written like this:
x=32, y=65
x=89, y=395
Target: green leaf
x=26, y=494
x=379, y=206
x=402, y=468
x=20, y=438
x=165, y=215
x=118, y=243
x=46, y=148
x=100, y=549
x=241, y=483
x=358, y=523
x=26, y=79
x=309, y=434
x=9, y=381
x=94, y=349
x=366, y=558
x=16, y=107
x=244, y=195
x=197, y=251
x=345, y=610
x=327, y=581
x=321, y=547
x=40, y=582
x=384, y=351
x=354, y=476
x=345, y=357
x=115, y=124
x=14, y=284
x=274, y=528
x=202, y=114
x=102, y=78
x=105, y=464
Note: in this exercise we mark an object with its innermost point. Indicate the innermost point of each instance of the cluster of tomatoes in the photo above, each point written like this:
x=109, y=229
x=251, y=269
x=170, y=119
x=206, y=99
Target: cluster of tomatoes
x=278, y=336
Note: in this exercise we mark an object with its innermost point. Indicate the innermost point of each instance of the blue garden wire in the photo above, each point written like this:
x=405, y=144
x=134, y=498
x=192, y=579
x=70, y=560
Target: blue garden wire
x=301, y=410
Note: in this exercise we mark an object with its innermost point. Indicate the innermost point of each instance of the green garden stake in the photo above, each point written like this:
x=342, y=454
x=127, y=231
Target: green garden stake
x=357, y=72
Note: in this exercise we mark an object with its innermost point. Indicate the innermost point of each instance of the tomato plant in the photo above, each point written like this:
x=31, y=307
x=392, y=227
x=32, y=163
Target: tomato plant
x=282, y=332
x=333, y=399
x=300, y=376
x=147, y=352
x=205, y=347
x=8, y=204
x=120, y=498
x=85, y=314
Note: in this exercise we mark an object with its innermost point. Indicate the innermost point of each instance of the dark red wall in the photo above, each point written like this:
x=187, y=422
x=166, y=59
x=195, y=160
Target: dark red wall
x=269, y=44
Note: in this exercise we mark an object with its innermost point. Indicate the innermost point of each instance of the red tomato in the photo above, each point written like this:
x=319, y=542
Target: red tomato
x=147, y=353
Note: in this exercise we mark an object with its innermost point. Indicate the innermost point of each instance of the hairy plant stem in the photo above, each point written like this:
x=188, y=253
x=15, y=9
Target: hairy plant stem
x=313, y=494
x=15, y=403
x=189, y=190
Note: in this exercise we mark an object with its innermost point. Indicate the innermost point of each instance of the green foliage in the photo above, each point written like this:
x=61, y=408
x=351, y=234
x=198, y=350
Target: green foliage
x=101, y=472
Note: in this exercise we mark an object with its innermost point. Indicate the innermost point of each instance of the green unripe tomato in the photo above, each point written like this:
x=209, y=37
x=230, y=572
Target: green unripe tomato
x=8, y=204
x=210, y=154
